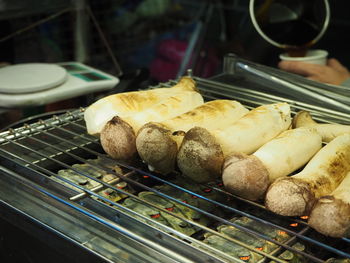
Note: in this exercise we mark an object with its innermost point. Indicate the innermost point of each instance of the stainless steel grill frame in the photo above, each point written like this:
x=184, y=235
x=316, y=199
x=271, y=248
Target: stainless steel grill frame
x=30, y=157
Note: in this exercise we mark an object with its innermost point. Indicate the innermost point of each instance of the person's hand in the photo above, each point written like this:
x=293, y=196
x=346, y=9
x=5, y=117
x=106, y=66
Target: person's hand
x=332, y=73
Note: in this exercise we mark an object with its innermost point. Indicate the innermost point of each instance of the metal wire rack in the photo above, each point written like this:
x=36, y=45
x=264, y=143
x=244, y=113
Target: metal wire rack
x=40, y=151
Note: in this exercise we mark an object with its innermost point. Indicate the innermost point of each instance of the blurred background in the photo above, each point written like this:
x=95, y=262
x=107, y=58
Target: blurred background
x=143, y=42
x=151, y=40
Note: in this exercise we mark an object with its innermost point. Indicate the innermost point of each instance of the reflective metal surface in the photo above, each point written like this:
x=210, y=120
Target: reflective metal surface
x=57, y=175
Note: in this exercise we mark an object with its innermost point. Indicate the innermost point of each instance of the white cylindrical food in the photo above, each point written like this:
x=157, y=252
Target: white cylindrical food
x=296, y=195
x=257, y=127
x=250, y=176
x=328, y=131
x=119, y=134
x=331, y=214
x=166, y=109
x=129, y=103
x=253, y=130
x=157, y=143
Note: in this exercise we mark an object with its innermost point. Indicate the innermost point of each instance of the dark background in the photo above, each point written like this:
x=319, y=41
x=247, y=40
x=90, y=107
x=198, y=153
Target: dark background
x=151, y=34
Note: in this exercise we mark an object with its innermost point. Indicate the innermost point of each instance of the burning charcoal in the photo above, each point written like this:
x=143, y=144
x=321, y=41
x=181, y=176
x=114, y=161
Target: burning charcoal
x=198, y=202
x=73, y=177
x=176, y=223
x=290, y=256
x=267, y=230
x=88, y=169
x=107, y=163
x=97, y=173
x=188, y=199
x=114, y=195
x=257, y=243
x=145, y=210
x=231, y=248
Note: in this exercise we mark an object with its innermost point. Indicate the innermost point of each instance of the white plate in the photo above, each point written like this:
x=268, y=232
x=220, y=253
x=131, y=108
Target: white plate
x=31, y=77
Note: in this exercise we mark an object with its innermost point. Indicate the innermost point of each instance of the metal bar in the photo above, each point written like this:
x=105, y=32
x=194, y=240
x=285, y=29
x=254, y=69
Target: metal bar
x=203, y=212
x=127, y=209
x=53, y=122
x=258, y=95
x=168, y=197
x=310, y=240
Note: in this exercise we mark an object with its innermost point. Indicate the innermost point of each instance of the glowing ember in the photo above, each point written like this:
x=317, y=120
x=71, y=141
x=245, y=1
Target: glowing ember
x=304, y=217
x=155, y=216
x=170, y=208
x=281, y=233
x=294, y=224
x=145, y=176
x=259, y=248
x=246, y=258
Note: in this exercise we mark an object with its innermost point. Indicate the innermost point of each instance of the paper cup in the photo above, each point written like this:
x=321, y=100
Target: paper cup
x=316, y=56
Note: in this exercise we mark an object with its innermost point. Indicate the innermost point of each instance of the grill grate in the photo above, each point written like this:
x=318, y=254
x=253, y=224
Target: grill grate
x=50, y=148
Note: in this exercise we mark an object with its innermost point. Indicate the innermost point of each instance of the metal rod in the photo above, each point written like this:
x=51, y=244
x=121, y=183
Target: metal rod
x=149, y=204
x=199, y=210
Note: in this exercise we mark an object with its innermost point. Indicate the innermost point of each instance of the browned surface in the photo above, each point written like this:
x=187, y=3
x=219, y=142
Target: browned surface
x=331, y=217
x=245, y=176
x=118, y=139
x=289, y=197
x=200, y=157
x=156, y=147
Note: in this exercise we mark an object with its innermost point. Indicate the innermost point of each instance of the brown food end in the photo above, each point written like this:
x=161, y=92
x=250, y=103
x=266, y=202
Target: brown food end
x=118, y=139
x=156, y=147
x=289, y=197
x=200, y=157
x=245, y=176
x=302, y=119
x=331, y=217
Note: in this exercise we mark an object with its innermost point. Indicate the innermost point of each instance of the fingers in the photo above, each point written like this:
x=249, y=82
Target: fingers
x=301, y=68
x=334, y=63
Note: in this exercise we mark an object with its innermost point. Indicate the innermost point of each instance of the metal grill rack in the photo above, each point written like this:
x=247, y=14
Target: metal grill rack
x=33, y=157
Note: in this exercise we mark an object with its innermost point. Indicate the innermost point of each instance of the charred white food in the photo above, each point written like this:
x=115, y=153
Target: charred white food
x=331, y=214
x=328, y=131
x=250, y=175
x=200, y=148
x=128, y=103
x=158, y=142
x=296, y=195
x=119, y=134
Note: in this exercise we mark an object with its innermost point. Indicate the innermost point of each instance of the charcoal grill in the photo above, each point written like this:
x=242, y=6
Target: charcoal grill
x=57, y=177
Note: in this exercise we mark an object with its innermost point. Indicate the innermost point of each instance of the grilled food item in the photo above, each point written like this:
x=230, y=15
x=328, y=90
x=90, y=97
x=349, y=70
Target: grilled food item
x=129, y=103
x=296, y=195
x=250, y=175
x=328, y=131
x=331, y=214
x=158, y=143
x=201, y=155
x=119, y=134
